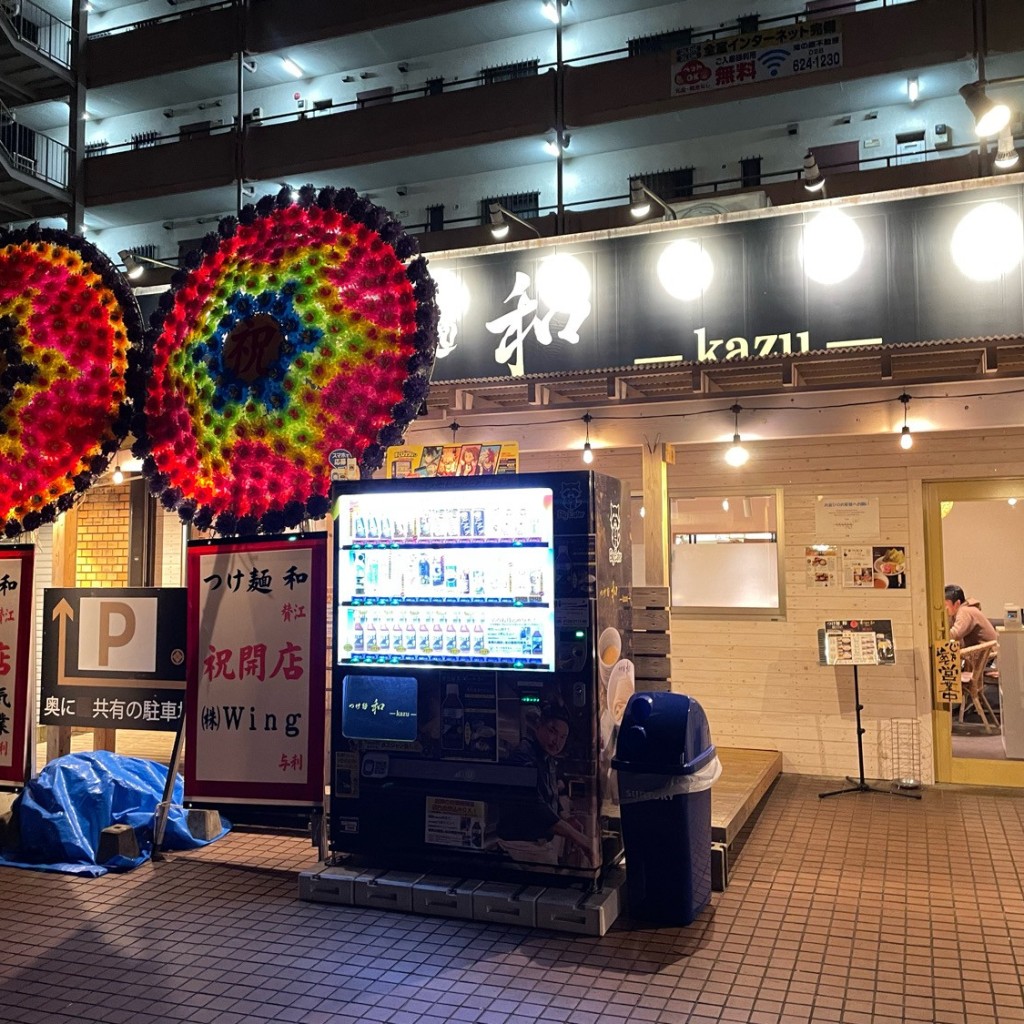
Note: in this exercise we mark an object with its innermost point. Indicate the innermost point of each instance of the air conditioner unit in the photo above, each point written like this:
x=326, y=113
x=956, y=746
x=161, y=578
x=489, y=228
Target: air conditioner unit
x=715, y=206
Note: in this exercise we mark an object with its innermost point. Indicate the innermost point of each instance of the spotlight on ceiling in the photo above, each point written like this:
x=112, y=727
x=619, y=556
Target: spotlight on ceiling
x=640, y=199
x=502, y=220
x=814, y=180
x=133, y=263
x=1006, y=153
x=990, y=117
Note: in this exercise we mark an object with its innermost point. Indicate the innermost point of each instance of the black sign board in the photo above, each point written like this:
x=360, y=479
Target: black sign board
x=114, y=658
x=590, y=304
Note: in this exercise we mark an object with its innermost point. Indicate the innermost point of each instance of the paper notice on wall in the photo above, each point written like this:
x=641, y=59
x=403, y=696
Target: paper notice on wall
x=822, y=566
x=846, y=518
x=857, y=568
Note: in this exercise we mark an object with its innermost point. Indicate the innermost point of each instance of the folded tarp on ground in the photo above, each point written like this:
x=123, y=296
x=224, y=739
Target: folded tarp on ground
x=61, y=813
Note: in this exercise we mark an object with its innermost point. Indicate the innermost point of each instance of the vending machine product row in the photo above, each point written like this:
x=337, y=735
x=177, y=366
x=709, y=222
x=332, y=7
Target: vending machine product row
x=481, y=659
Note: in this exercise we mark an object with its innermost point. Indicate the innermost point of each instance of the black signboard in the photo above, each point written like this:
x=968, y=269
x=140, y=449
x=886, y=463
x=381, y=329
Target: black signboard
x=113, y=658
x=590, y=304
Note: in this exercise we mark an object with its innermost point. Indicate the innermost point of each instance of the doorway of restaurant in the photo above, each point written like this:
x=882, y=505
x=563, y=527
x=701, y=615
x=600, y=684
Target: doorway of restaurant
x=972, y=539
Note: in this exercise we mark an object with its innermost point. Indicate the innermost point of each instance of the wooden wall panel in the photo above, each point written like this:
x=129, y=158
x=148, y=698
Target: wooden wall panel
x=759, y=680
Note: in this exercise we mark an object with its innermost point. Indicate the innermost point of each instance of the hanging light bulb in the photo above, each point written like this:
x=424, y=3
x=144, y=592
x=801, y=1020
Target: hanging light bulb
x=736, y=455
x=588, y=452
x=118, y=476
x=906, y=437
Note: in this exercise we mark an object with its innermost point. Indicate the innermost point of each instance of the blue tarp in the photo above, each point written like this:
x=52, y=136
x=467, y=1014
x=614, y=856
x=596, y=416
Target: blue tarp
x=61, y=813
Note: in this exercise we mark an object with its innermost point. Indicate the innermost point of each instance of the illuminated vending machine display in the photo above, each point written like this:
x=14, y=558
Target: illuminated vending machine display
x=471, y=709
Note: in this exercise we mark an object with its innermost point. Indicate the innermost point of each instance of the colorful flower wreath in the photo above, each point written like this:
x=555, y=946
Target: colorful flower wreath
x=298, y=329
x=69, y=327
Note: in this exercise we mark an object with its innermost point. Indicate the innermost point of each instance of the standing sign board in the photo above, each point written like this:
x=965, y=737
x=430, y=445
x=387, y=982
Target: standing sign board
x=113, y=658
x=256, y=671
x=856, y=642
x=16, y=563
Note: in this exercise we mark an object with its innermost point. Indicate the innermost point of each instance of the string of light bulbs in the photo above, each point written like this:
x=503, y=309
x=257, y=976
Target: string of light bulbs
x=733, y=453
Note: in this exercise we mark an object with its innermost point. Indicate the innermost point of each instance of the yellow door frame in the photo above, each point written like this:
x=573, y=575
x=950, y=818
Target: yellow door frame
x=972, y=771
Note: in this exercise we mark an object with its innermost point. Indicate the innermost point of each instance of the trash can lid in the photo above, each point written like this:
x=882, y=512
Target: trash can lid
x=663, y=734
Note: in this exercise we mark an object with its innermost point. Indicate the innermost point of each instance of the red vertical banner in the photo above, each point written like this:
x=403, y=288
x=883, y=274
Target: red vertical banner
x=254, y=707
x=16, y=563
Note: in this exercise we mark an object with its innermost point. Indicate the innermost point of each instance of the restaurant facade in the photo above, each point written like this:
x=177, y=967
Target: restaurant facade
x=817, y=339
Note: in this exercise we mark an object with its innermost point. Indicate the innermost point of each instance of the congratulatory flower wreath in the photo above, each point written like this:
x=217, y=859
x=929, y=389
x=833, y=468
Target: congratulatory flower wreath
x=69, y=329
x=302, y=327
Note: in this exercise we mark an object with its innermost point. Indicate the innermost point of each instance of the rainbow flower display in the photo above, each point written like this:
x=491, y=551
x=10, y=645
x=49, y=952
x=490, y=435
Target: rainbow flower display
x=69, y=330
x=300, y=328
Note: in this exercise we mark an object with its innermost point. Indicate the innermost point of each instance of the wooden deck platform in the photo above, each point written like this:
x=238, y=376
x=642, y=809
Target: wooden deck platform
x=747, y=777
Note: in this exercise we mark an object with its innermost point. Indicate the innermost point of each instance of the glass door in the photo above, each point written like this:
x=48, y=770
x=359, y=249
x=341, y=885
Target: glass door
x=972, y=531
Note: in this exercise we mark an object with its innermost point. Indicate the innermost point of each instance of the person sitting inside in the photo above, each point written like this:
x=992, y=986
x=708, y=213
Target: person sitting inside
x=970, y=627
x=966, y=621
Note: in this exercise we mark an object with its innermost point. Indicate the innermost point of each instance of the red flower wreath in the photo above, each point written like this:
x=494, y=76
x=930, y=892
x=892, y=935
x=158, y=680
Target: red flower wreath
x=299, y=329
x=69, y=328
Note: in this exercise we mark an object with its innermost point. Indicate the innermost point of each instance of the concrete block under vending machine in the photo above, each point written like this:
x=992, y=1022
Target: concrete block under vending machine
x=573, y=910
x=444, y=896
x=389, y=891
x=507, y=903
x=330, y=885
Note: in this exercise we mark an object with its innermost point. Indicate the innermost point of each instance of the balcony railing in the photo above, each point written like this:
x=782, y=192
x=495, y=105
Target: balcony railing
x=719, y=187
x=31, y=153
x=441, y=84
x=38, y=28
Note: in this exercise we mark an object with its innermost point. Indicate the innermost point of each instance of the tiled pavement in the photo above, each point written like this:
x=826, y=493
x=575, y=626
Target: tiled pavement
x=856, y=909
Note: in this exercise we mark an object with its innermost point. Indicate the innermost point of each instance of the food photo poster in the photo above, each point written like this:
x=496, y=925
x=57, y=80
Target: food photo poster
x=878, y=568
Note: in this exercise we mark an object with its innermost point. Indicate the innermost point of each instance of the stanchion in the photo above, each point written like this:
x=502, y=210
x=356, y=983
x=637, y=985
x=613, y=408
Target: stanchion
x=861, y=785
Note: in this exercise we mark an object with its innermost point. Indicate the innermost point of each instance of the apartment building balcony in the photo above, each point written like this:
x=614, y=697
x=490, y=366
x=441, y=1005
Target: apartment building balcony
x=35, y=53
x=599, y=97
x=190, y=39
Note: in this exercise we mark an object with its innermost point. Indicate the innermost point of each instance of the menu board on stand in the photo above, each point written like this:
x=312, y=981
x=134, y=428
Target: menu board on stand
x=857, y=642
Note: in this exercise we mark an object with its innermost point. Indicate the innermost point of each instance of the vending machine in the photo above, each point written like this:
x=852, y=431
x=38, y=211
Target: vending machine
x=482, y=658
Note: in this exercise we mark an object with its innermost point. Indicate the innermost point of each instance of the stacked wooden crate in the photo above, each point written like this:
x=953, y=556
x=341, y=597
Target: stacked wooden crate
x=652, y=640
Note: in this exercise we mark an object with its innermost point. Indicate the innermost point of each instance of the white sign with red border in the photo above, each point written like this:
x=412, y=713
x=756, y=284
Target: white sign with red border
x=256, y=670
x=16, y=563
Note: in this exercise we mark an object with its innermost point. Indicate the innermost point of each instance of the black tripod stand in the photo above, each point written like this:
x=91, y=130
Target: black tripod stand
x=861, y=785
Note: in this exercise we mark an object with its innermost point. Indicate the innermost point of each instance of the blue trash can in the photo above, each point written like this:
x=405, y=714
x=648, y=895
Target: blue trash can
x=667, y=765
